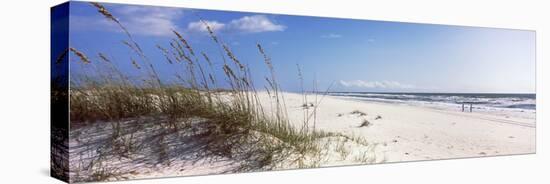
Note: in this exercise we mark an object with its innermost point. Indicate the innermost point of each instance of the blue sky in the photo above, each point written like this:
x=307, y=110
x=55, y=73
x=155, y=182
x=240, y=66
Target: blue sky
x=353, y=55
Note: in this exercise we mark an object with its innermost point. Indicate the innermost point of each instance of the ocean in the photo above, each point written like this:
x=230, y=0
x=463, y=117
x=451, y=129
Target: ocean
x=485, y=101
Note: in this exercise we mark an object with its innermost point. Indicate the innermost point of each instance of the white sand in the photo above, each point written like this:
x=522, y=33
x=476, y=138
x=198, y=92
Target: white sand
x=403, y=133
x=410, y=133
x=182, y=153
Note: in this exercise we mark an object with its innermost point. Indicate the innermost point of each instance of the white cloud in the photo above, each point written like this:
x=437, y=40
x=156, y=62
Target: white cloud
x=199, y=26
x=255, y=24
x=246, y=24
x=376, y=84
x=148, y=21
x=331, y=35
x=160, y=21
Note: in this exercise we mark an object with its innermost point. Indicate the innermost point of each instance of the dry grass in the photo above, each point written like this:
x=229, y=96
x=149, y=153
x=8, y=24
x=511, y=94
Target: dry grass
x=342, y=150
x=234, y=126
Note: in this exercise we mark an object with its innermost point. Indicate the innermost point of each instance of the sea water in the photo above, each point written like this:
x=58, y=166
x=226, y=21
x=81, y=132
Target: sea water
x=523, y=104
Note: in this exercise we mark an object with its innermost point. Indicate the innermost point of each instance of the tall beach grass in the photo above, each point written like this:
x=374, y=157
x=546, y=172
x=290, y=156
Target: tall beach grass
x=225, y=112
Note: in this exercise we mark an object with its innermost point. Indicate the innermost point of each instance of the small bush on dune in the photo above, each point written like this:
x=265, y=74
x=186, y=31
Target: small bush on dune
x=365, y=123
x=357, y=112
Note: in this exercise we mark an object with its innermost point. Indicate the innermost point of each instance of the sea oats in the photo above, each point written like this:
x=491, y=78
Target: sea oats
x=61, y=56
x=81, y=55
x=210, y=31
x=135, y=63
x=232, y=57
x=206, y=58
x=103, y=57
x=267, y=60
x=165, y=53
x=185, y=43
x=229, y=72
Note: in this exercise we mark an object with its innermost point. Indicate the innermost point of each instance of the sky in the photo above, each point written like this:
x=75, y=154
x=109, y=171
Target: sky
x=336, y=54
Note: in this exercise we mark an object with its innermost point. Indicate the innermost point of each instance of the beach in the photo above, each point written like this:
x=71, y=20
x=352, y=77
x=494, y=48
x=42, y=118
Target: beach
x=355, y=131
x=404, y=132
x=201, y=105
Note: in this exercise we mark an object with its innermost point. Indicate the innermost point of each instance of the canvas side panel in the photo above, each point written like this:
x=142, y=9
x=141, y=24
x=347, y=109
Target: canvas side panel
x=59, y=122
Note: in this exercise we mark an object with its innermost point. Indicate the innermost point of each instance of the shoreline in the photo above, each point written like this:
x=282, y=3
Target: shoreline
x=528, y=116
x=411, y=133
